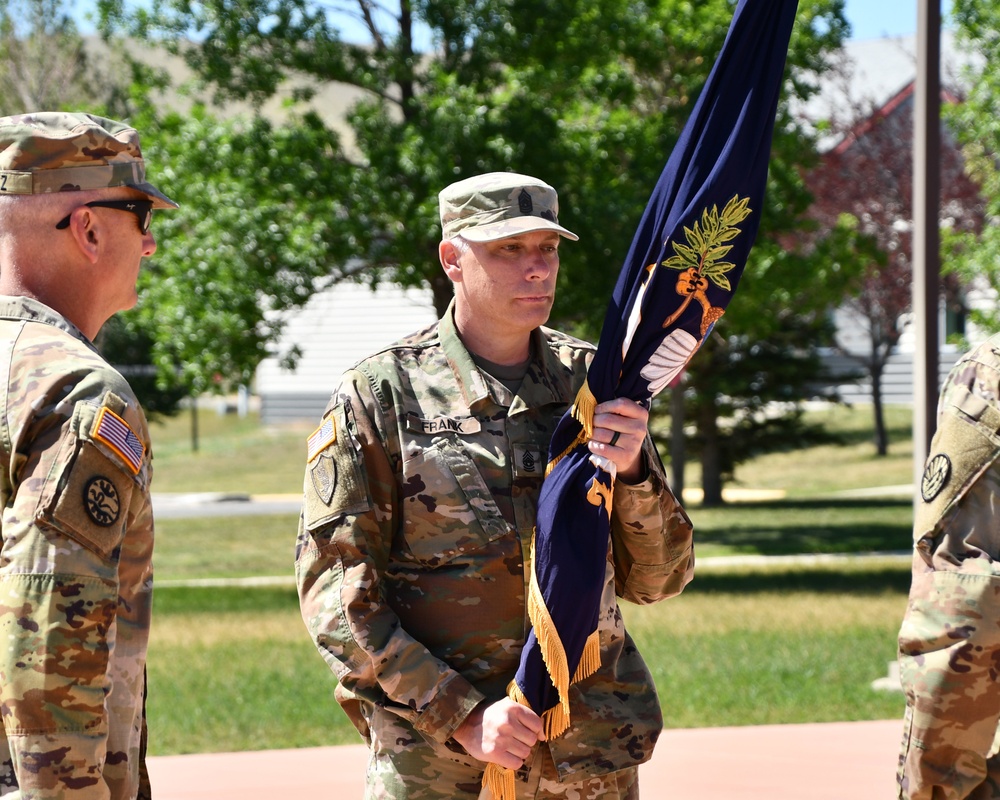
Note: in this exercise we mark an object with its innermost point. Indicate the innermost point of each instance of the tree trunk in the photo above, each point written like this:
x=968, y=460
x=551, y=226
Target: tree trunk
x=194, y=424
x=711, y=470
x=881, y=435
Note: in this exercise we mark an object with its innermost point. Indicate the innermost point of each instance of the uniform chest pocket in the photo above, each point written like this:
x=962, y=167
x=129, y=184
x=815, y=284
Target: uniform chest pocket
x=448, y=510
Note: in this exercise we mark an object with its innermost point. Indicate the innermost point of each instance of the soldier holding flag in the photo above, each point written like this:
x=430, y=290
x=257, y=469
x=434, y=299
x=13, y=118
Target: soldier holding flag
x=421, y=493
x=429, y=541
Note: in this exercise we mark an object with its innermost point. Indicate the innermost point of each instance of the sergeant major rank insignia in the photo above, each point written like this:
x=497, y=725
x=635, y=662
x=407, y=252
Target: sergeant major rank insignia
x=528, y=461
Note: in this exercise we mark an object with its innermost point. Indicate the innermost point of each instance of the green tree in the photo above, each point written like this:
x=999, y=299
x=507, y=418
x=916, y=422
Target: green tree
x=262, y=210
x=129, y=348
x=590, y=95
x=43, y=61
x=975, y=257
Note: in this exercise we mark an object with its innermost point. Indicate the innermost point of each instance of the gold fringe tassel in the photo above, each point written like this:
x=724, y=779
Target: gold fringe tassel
x=583, y=412
x=590, y=658
x=514, y=693
x=552, y=652
x=500, y=782
x=583, y=408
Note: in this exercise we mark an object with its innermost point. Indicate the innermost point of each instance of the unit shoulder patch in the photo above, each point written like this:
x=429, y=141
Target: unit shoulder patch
x=323, y=474
x=935, y=477
x=102, y=501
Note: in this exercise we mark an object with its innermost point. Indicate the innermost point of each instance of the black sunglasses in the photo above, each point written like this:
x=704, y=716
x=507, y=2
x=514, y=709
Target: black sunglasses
x=143, y=210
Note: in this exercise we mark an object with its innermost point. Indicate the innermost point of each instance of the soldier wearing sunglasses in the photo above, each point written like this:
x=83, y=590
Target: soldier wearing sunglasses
x=76, y=532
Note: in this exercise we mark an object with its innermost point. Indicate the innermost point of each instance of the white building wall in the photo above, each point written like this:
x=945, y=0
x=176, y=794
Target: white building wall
x=336, y=329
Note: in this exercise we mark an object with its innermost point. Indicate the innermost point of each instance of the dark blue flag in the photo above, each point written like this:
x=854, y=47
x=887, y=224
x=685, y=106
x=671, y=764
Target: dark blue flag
x=680, y=273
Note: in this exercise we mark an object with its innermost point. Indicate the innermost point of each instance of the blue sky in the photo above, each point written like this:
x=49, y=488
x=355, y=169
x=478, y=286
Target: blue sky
x=873, y=18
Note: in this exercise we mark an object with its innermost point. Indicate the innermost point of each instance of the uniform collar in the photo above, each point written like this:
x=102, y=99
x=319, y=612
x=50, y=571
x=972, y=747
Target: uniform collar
x=31, y=310
x=538, y=388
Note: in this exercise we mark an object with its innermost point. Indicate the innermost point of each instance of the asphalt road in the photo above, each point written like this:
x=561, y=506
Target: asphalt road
x=219, y=504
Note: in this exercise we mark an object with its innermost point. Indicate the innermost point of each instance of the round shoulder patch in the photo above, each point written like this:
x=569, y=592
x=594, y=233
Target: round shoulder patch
x=935, y=478
x=100, y=498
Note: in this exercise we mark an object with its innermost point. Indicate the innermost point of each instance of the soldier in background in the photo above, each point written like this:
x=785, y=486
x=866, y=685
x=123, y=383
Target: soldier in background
x=77, y=527
x=421, y=493
x=949, y=643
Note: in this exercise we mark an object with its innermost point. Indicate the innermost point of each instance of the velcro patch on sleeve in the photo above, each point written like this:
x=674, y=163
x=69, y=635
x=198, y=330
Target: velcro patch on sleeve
x=92, y=498
x=115, y=433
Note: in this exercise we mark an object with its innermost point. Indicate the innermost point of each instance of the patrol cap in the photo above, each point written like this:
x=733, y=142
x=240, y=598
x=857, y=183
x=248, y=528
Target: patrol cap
x=497, y=205
x=56, y=151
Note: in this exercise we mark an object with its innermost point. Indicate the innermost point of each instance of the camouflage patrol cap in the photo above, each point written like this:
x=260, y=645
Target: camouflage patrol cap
x=497, y=205
x=56, y=151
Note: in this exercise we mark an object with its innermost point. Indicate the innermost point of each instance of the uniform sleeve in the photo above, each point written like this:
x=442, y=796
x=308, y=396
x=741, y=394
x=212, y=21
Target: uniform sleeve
x=949, y=642
x=651, y=537
x=350, y=512
x=62, y=534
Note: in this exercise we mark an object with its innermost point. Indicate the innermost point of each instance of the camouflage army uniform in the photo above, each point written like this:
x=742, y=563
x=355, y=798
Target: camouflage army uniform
x=949, y=643
x=420, y=501
x=75, y=574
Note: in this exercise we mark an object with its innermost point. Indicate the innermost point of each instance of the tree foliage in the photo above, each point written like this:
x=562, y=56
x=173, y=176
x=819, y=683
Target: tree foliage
x=44, y=61
x=975, y=256
x=589, y=95
x=262, y=211
x=864, y=196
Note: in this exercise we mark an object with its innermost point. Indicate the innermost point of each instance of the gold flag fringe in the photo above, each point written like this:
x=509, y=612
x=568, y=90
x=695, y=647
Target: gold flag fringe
x=583, y=409
x=554, y=656
x=500, y=780
x=590, y=659
x=583, y=412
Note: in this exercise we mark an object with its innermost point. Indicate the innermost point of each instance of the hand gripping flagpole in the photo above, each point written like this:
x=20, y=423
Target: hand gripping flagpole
x=680, y=273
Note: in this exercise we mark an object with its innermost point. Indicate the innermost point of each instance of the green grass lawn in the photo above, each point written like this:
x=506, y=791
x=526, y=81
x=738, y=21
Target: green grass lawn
x=232, y=668
x=234, y=455
x=826, y=469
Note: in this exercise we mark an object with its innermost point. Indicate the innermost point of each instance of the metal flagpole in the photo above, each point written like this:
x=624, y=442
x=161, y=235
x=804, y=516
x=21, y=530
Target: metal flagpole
x=926, y=235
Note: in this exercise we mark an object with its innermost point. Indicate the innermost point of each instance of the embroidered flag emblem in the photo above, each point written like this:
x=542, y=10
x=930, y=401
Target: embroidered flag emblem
x=112, y=430
x=321, y=438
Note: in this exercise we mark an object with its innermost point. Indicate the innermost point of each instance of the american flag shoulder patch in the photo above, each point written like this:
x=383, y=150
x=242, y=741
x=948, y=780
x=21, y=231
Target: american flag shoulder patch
x=321, y=438
x=113, y=431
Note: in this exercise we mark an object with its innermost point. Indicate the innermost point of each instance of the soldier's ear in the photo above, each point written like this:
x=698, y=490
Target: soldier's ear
x=450, y=260
x=86, y=231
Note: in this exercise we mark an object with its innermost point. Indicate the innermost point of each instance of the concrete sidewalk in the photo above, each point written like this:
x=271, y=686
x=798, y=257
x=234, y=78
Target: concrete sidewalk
x=828, y=761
